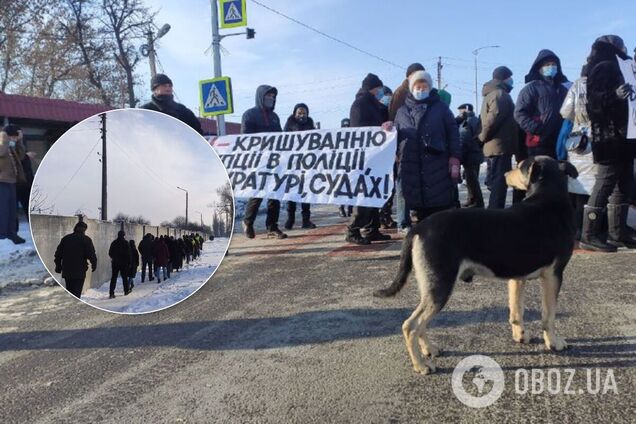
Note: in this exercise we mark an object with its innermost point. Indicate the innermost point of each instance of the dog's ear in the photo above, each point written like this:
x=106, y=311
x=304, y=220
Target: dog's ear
x=535, y=173
x=568, y=169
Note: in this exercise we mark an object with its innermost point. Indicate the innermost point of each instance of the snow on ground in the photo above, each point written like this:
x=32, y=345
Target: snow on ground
x=150, y=296
x=20, y=264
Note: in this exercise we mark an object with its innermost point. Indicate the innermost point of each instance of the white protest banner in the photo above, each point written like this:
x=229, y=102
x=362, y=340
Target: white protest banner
x=628, y=68
x=345, y=166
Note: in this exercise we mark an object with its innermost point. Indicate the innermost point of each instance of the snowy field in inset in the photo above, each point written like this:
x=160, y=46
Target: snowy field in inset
x=151, y=296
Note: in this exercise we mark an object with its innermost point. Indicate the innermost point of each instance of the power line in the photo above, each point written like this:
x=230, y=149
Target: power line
x=337, y=40
x=75, y=173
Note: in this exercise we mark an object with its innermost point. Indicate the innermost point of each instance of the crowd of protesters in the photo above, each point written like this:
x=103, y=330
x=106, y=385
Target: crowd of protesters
x=584, y=122
x=159, y=256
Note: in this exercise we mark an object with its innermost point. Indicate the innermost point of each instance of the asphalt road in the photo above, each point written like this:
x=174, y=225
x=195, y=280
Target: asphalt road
x=287, y=331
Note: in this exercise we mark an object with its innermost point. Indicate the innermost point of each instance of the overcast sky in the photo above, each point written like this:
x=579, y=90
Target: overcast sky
x=310, y=68
x=149, y=154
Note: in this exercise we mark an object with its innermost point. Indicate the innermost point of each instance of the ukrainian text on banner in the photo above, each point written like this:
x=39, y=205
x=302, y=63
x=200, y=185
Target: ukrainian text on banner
x=628, y=68
x=346, y=166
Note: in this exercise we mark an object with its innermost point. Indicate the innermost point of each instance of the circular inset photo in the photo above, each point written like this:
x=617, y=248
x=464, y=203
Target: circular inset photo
x=131, y=211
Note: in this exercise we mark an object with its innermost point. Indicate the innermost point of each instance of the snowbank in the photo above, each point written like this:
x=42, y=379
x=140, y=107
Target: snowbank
x=150, y=296
x=20, y=264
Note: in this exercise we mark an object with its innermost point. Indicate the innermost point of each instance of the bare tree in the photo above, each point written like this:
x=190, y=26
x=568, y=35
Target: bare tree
x=39, y=202
x=127, y=21
x=225, y=206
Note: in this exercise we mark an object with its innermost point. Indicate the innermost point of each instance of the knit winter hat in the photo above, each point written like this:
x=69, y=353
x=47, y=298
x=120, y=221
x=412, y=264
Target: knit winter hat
x=371, y=81
x=158, y=80
x=413, y=67
x=501, y=73
x=11, y=130
x=420, y=75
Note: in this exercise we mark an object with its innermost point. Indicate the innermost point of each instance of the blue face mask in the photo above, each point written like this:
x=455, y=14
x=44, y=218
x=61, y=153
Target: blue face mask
x=509, y=82
x=379, y=94
x=11, y=143
x=386, y=100
x=549, y=71
x=421, y=94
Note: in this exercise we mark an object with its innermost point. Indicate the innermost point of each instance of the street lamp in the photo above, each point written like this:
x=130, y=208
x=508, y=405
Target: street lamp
x=476, y=52
x=148, y=50
x=186, y=192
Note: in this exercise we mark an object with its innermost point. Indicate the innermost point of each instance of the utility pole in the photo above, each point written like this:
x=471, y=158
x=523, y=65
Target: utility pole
x=439, y=73
x=476, y=53
x=216, y=55
x=186, y=192
x=151, y=54
x=104, y=210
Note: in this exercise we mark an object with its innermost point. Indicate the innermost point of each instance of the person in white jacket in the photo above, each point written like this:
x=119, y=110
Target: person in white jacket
x=579, y=153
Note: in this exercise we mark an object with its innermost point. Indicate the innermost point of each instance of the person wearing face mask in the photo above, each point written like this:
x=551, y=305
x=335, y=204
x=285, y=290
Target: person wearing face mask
x=429, y=150
x=367, y=111
x=262, y=118
x=612, y=151
x=11, y=173
x=163, y=101
x=299, y=120
x=499, y=133
x=472, y=155
x=539, y=103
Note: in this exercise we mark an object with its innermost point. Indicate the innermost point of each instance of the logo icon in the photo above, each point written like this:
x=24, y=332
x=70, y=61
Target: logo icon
x=483, y=376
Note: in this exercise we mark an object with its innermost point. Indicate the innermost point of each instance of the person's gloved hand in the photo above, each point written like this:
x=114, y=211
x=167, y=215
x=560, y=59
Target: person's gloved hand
x=58, y=269
x=624, y=91
x=453, y=168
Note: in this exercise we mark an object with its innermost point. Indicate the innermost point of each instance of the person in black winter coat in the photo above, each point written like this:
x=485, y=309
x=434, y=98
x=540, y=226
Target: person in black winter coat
x=262, y=118
x=145, y=248
x=367, y=111
x=608, y=110
x=121, y=258
x=428, y=149
x=134, y=264
x=299, y=120
x=538, y=106
x=71, y=258
x=163, y=101
x=472, y=154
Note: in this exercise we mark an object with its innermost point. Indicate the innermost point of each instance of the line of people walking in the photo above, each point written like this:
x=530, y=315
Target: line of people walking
x=159, y=256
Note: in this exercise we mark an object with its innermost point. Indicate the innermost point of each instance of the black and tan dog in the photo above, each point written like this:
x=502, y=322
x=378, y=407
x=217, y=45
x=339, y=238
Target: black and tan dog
x=531, y=239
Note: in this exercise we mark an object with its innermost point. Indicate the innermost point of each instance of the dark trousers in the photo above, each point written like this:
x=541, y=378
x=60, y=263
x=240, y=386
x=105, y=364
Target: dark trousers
x=273, y=211
x=144, y=262
x=418, y=215
x=471, y=173
x=122, y=270
x=578, y=202
x=364, y=217
x=169, y=269
x=305, y=210
x=496, y=180
x=613, y=183
x=542, y=151
x=8, y=211
x=23, y=191
x=74, y=286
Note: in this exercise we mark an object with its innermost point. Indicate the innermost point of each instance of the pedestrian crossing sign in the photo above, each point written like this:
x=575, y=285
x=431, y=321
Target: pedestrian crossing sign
x=232, y=13
x=215, y=96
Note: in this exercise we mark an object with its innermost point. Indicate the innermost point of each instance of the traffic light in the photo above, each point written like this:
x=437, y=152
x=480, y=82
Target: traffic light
x=250, y=33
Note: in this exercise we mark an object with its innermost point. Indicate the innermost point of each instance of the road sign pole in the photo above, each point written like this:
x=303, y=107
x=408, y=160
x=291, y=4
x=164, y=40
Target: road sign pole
x=216, y=54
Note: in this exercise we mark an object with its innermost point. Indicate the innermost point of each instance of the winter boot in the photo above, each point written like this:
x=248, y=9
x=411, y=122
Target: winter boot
x=248, y=230
x=618, y=233
x=592, y=237
x=16, y=239
x=111, y=296
x=376, y=235
x=289, y=224
x=307, y=224
x=354, y=236
x=342, y=211
x=276, y=232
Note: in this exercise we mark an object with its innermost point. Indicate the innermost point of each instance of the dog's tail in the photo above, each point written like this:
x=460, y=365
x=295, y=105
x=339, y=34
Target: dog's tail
x=406, y=265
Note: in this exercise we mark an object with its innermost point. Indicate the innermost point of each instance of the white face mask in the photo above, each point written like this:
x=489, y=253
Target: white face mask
x=421, y=94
